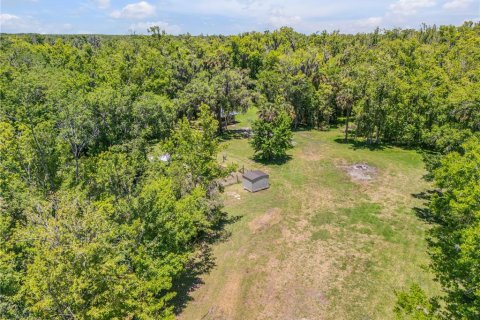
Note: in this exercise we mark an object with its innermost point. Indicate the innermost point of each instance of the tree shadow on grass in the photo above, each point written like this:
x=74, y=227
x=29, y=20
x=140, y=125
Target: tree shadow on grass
x=362, y=144
x=425, y=195
x=424, y=212
x=202, y=263
x=303, y=128
x=275, y=161
x=235, y=134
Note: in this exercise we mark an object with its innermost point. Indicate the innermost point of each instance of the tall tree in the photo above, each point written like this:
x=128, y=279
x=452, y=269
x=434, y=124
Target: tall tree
x=454, y=240
x=77, y=127
x=272, y=136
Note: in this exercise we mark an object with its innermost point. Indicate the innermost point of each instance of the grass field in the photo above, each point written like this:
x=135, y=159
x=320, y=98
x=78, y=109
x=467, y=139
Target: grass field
x=317, y=244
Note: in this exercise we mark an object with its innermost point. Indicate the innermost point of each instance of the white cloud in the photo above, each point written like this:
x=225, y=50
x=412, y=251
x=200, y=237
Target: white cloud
x=10, y=23
x=7, y=20
x=410, y=7
x=260, y=9
x=369, y=23
x=278, y=18
x=305, y=15
x=457, y=4
x=310, y=15
x=280, y=21
x=102, y=4
x=137, y=10
x=233, y=16
x=350, y=26
x=142, y=27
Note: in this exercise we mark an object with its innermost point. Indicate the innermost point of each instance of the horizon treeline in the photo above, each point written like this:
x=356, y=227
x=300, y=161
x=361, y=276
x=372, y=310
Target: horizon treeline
x=94, y=226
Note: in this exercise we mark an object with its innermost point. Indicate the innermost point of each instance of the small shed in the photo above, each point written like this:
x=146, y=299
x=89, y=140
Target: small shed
x=255, y=180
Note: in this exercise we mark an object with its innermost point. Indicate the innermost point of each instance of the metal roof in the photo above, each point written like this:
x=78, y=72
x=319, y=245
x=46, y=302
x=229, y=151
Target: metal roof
x=255, y=175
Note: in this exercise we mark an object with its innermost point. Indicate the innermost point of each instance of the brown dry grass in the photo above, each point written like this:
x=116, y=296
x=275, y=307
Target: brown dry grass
x=317, y=245
x=268, y=219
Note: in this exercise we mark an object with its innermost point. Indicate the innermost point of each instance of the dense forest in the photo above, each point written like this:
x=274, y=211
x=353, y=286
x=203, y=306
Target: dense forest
x=94, y=225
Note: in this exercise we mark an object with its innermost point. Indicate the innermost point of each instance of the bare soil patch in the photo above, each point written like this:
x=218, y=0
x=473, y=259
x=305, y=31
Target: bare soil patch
x=360, y=172
x=233, y=194
x=268, y=219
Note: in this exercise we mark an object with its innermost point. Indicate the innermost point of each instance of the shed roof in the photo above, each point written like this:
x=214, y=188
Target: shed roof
x=254, y=175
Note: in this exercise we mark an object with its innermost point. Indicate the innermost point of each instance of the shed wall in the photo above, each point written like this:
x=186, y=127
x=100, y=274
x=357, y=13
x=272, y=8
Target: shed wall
x=247, y=185
x=260, y=184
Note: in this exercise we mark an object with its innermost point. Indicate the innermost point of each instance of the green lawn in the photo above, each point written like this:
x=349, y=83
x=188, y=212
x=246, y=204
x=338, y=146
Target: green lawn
x=245, y=119
x=317, y=245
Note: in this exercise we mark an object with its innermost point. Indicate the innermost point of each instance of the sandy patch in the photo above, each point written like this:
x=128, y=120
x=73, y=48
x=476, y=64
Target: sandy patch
x=360, y=172
x=233, y=194
x=268, y=219
x=252, y=256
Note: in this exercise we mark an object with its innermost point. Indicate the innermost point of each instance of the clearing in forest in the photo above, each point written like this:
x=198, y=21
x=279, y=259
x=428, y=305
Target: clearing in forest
x=333, y=237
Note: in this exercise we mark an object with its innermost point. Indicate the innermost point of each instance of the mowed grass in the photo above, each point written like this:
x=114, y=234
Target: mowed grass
x=317, y=245
x=246, y=119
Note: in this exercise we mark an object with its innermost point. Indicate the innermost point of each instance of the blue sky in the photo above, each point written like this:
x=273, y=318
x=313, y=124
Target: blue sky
x=228, y=16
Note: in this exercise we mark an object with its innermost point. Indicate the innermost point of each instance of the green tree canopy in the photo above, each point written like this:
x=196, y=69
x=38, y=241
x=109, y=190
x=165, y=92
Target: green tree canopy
x=272, y=136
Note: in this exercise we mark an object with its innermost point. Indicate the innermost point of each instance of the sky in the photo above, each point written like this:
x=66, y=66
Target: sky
x=228, y=16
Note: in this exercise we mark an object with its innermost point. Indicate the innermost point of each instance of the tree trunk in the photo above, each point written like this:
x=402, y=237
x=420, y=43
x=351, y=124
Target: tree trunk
x=346, y=125
x=41, y=154
x=219, y=119
x=76, y=169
